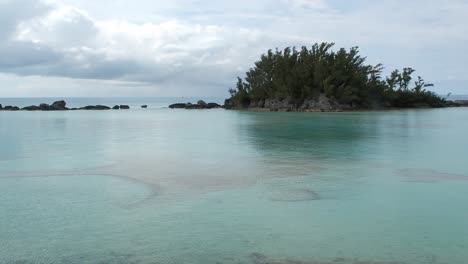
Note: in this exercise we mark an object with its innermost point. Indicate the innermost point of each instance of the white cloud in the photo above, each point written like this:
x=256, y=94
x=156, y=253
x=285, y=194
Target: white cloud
x=309, y=4
x=202, y=45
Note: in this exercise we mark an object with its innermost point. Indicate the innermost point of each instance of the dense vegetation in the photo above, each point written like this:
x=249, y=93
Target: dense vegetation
x=341, y=75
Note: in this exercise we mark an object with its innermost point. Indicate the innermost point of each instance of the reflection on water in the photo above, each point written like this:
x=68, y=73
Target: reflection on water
x=162, y=186
x=307, y=136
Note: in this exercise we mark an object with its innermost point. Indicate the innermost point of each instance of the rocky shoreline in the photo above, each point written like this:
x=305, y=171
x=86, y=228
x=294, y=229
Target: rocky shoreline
x=457, y=103
x=61, y=106
x=321, y=104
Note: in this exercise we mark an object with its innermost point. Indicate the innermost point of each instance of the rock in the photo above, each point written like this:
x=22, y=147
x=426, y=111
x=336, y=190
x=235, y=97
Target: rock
x=31, y=108
x=202, y=103
x=323, y=104
x=102, y=107
x=59, y=105
x=11, y=108
x=95, y=107
x=144, y=106
x=228, y=104
x=177, y=106
x=212, y=105
x=261, y=103
x=193, y=106
x=44, y=107
x=274, y=104
x=199, y=105
x=458, y=103
x=89, y=107
x=253, y=104
x=116, y=107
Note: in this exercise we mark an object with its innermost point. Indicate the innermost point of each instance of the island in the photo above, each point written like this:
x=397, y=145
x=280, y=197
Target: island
x=319, y=79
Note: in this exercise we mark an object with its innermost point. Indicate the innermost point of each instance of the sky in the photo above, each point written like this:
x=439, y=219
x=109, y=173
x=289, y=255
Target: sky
x=66, y=48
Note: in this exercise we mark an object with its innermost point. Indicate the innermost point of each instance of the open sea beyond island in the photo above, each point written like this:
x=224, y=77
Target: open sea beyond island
x=156, y=185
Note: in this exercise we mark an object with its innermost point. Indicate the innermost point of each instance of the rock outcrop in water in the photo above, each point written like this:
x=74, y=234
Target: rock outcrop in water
x=94, y=107
x=56, y=106
x=458, y=103
x=199, y=105
x=59, y=106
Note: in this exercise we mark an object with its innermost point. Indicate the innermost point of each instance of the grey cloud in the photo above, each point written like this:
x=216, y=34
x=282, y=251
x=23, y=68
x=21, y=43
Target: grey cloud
x=201, y=45
x=18, y=56
x=14, y=11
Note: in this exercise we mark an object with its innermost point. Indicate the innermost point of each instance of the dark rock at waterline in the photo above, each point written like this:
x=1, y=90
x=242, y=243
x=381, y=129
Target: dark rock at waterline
x=458, y=103
x=177, y=106
x=95, y=107
x=56, y=106
x=11, y=108
x=199, y=105
x=116, y=107
x=144, y=106
x=202, y=103
x=44, y=107
x=229, y=104
x=31, y=108
x=59, y=105
x=212, y=105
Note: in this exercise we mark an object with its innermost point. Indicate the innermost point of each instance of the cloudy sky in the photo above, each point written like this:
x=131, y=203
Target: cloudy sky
x=198, y=47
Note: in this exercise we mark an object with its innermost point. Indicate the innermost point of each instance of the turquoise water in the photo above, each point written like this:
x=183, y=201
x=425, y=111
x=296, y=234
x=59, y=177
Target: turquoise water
x=176, y=186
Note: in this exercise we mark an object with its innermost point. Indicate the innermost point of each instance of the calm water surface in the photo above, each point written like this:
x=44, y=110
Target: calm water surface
x=176, y=186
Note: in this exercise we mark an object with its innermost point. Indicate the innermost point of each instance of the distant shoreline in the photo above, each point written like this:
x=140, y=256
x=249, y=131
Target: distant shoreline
x=322, y=104
x=62, y=106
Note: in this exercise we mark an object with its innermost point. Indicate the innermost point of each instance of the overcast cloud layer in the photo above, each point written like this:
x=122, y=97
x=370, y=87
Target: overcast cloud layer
x=198, y=47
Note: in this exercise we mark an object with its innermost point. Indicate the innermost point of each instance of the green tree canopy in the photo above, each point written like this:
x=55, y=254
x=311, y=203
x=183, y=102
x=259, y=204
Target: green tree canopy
x=342, y=75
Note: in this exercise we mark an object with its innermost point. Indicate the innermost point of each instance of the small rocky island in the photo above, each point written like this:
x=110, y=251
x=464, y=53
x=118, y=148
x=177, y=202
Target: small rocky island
x=199, y=105
x=322, y=79
x=60, y=106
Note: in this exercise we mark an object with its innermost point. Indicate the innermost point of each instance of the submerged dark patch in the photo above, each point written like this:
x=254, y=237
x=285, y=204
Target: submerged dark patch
x=297, y=195
x=430, y=175
x=257, y=258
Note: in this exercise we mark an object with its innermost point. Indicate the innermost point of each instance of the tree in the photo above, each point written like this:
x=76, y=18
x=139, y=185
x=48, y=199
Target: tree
x=342, y=75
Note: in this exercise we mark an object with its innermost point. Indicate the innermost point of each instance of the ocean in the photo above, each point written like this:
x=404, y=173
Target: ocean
x=169, y=186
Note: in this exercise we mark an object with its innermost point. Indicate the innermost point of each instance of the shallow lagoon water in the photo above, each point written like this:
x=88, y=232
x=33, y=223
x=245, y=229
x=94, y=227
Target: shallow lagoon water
x=177, y=186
